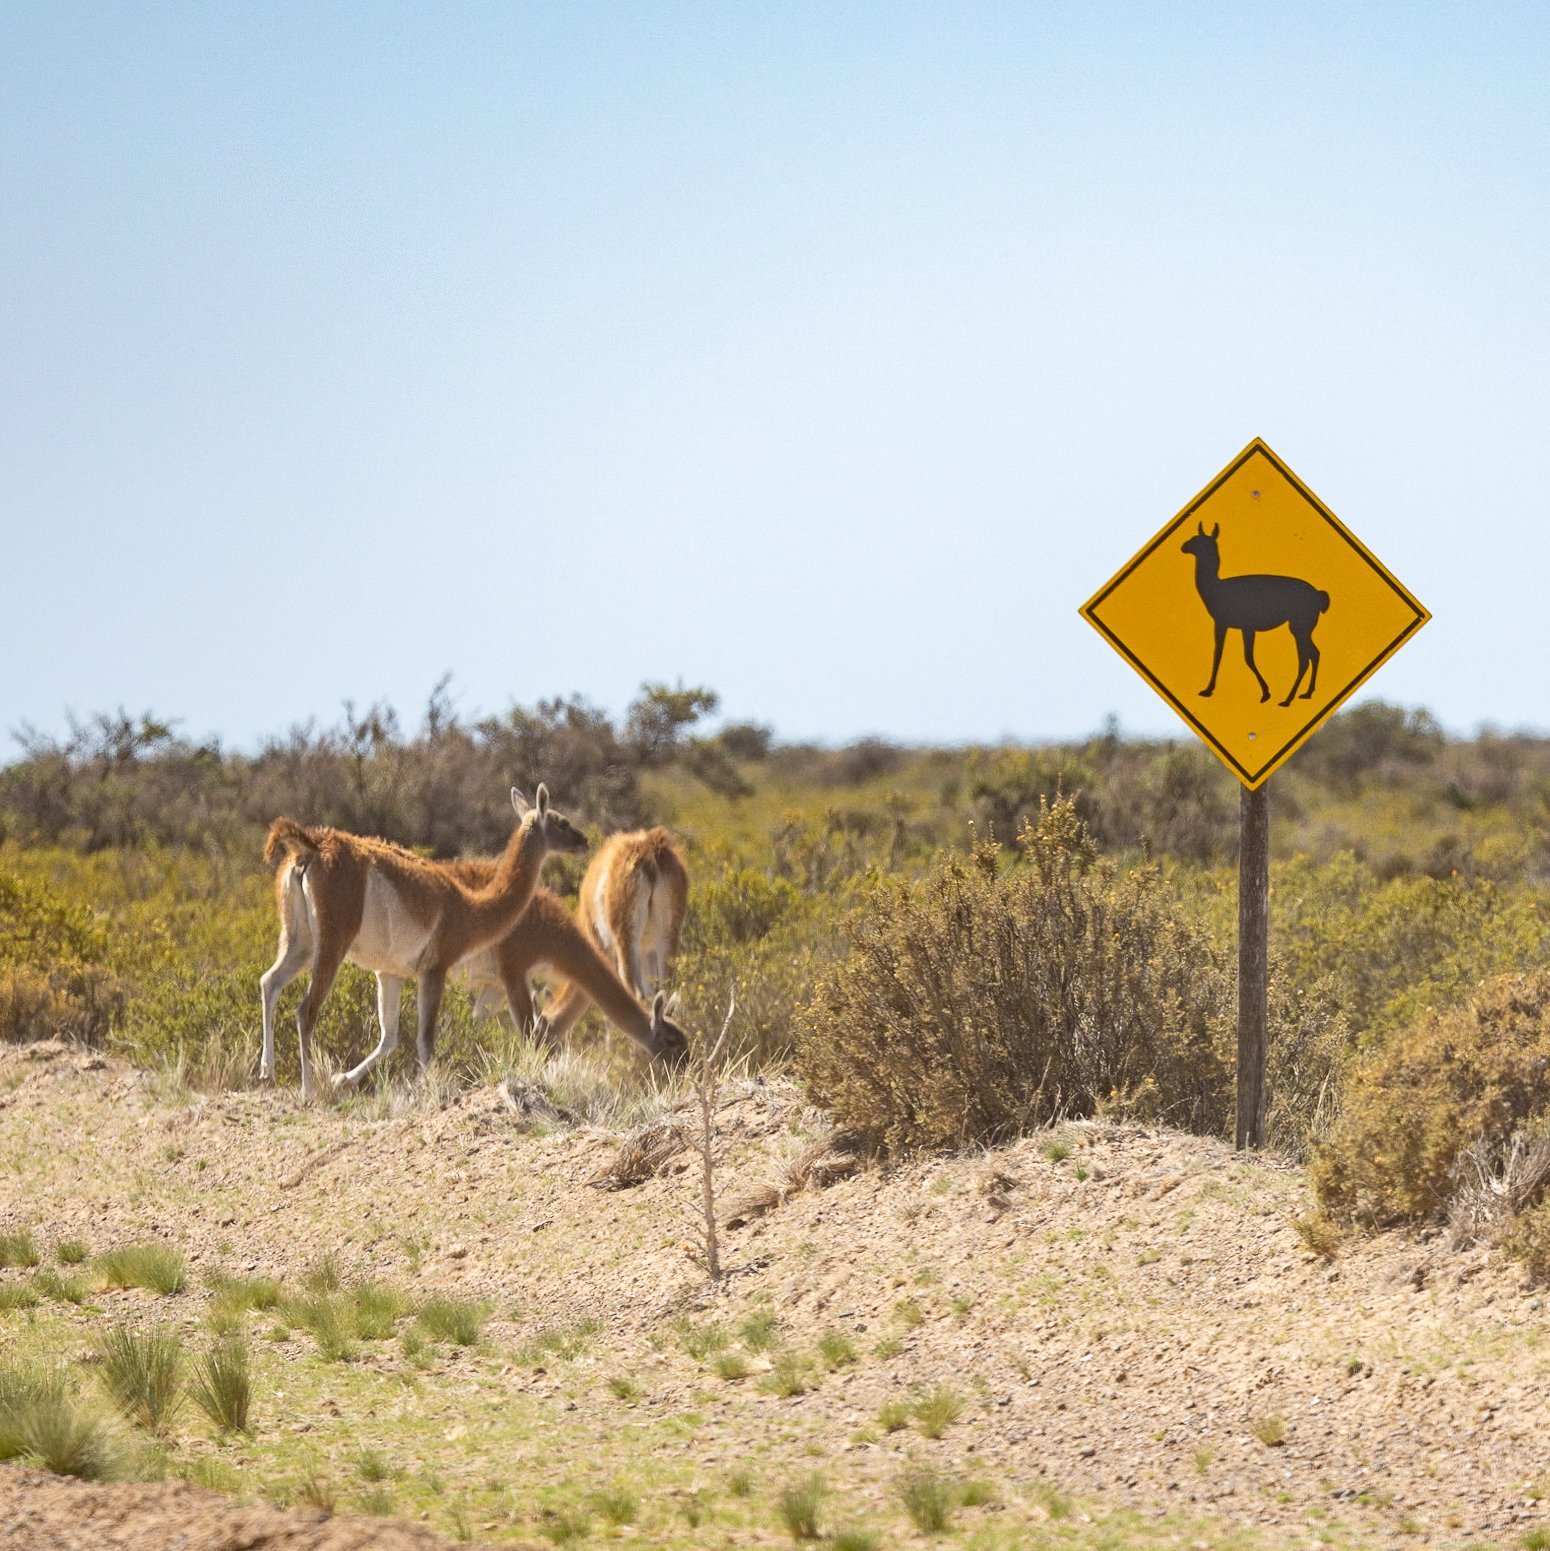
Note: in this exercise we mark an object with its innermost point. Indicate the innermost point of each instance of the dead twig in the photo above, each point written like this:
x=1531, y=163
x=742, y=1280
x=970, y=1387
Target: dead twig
x=710, y=1067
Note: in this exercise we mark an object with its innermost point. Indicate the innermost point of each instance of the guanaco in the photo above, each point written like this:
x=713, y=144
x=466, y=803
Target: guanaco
x=547, y=937
x=633, y=898
x=343, y=896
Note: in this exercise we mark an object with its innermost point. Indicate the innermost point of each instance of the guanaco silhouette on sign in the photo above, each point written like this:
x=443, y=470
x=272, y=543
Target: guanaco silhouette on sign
x=1250, y=604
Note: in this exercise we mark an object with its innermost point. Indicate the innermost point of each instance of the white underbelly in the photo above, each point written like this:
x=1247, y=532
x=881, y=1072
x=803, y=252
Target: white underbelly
x=391, y=940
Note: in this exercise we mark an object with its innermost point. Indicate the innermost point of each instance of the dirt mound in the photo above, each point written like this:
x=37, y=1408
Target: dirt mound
x=40, y=1512
x=1126, y=1318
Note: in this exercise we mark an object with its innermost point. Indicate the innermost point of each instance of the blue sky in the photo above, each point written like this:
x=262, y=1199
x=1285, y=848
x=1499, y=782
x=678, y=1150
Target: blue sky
x=827, y=355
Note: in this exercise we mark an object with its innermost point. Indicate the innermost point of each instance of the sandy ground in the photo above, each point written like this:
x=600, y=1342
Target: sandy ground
x=1130, y=1314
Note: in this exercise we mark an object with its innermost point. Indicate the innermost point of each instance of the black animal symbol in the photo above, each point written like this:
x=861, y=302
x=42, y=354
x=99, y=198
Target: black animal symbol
x=1252, y=604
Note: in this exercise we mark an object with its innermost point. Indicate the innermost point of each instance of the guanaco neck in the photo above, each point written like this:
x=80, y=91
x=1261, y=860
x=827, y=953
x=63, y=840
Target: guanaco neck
x=495, y=908
x=1208, y=571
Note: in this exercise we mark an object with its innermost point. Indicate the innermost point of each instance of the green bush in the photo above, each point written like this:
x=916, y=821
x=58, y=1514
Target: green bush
x=989, y=999
x=1392, y=948
x=763, y=938
x=1465, y=1079
x=53, y=981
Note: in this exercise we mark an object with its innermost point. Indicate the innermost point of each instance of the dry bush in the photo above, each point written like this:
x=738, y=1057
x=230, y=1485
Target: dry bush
x=988, y=999
x=1457, y=1084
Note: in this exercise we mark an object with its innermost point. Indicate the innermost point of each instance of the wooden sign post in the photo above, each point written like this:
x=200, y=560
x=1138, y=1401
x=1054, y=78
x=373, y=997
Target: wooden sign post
x=1258, y=557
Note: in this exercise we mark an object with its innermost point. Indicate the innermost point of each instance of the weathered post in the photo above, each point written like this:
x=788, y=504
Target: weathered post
x=1253, y=963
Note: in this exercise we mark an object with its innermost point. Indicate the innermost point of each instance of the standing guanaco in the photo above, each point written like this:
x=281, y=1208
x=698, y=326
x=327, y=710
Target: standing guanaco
x=343, y=896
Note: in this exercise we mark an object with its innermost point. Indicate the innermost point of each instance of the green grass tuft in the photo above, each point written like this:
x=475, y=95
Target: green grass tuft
x=791, y=1375
x=836, y=1349
x=927, y=1498
x=62, y=1289
x=701, y=1341
x=617, y=1504
x=800, y=1504
x=156, y=1267
x=143, y=1372
x=937, y=1410
x=853, y=1539
x=18, y=1249
x=760, y=1331
x=452, y=1319
x=222, y=1385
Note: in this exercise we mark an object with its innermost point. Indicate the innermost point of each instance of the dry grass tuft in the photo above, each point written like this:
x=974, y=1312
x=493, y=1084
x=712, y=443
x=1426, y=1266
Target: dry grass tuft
x=835, y=1155
x=643, y=1154
x=1496, y=1186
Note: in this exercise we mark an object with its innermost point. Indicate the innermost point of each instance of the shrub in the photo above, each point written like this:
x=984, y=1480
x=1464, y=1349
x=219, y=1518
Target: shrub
x=1528, y=1239
x=53, y=983
x=990, y=999
x=1468, y=1078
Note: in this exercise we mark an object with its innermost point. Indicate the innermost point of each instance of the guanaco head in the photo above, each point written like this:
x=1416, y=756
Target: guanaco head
x=557, y=831
x=1202, y=543
x=669, y=1043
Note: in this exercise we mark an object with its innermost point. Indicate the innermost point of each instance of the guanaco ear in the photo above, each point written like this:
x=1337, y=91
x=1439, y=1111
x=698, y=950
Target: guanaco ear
x=519, y=802
x=541, y=796
x=658, y=1008
x=672, y=1005
x=1216, y=528
x=1200, y=528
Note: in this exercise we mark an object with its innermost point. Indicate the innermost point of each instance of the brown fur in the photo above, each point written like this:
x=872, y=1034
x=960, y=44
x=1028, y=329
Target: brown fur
x=548, y=937
x=335, y=870
x=625, y=865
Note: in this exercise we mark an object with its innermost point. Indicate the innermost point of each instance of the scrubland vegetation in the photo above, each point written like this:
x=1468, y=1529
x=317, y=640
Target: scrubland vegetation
x=944, y=947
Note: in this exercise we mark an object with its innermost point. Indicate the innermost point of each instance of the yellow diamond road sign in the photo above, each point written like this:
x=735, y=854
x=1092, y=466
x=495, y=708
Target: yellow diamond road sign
x=1255, y=613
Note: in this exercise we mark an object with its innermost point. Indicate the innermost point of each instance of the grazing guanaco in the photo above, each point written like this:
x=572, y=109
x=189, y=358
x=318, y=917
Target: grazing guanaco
x=344, y=896
x=547, y=937
x=633, y=898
